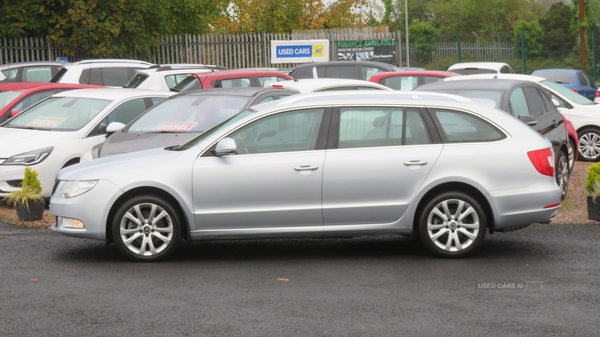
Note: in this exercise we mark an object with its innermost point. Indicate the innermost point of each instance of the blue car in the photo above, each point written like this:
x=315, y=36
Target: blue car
x=573, y=79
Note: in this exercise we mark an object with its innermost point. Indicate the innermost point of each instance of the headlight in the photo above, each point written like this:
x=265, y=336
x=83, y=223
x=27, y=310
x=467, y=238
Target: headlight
x=29, y=158
x=73, y=188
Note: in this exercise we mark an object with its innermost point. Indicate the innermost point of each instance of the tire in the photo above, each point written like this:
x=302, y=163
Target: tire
x=571, y=148
x=589, y=144
x=562, y=174
x=452, y=225
x=146, y=228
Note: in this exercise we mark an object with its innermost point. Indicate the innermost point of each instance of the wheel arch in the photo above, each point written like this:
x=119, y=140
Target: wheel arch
x=456, y=186
x=146, y=190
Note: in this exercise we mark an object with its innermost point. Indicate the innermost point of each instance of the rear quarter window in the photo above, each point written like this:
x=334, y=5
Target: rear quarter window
x=462, y=127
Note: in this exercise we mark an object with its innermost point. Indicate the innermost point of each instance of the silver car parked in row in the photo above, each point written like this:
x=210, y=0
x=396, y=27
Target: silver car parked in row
x=440, y=167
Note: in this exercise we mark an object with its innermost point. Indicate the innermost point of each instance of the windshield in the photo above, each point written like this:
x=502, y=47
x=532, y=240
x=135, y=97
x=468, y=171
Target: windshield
x=558, y=76
x=473, y=71
x=568, y=93
x=7, y=97
x=59, y=113
x=490, y=95
x=136, y=80
x=215, y=129
x=189, y=83
x=189, y=114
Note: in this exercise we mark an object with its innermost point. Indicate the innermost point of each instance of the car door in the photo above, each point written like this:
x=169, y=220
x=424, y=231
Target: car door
x=376, y=161
x=531, y=101
x=274, y=179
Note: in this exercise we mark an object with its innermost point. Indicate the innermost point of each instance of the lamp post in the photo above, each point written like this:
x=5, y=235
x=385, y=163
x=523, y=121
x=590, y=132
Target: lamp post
x=406, y=26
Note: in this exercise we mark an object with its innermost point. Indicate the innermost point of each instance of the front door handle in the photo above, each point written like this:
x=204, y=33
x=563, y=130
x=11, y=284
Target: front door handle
x=305, y=168
x=415, y=163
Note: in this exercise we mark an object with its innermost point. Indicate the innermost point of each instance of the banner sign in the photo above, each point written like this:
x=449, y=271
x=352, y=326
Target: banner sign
x=299, y=51
x=367, y=50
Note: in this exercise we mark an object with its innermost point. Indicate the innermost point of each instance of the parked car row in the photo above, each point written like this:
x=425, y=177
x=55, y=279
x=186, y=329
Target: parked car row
x=265, y=154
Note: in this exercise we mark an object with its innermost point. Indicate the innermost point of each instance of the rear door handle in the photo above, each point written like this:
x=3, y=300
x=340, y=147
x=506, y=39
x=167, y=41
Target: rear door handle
x=415, y=163
x=305, y=168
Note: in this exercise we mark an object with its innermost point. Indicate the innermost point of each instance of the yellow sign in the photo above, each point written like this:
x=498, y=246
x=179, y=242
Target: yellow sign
x=318, y=50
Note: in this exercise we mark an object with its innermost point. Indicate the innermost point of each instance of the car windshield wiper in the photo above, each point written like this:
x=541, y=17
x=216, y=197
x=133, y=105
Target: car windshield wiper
x=26, y=127
x=173, y=148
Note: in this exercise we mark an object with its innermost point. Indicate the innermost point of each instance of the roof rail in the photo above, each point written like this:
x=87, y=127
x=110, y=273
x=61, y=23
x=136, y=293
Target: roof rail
x=390, y=94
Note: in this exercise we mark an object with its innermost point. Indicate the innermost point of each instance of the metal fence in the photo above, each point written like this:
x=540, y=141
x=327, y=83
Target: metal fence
x=251, y=50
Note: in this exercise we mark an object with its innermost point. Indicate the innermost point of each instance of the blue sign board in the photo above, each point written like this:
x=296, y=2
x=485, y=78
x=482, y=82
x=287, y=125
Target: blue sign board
x=294, y=51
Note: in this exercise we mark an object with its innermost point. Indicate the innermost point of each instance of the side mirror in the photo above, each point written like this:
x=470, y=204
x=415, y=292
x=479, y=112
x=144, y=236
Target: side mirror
x=114, y=127
x=528, y=119
x=225, y=147
x=556, y=102
x=14, y=113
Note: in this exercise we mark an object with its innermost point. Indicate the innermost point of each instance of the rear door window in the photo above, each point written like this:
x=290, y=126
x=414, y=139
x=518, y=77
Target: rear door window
x=381, y=126
x=338, y=72
x=37, y=74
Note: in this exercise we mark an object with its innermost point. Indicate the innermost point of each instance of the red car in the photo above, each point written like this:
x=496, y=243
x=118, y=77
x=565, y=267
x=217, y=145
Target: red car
x=18, y=96
x=573, y=143
x=408, y=80
x=253, y=77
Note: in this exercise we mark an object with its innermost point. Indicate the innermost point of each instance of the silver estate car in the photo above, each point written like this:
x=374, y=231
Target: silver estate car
x=442, y=168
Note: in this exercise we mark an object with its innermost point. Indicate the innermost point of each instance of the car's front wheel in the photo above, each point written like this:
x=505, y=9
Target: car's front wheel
x=146, y=228
x=589, y=144
x=453, y=224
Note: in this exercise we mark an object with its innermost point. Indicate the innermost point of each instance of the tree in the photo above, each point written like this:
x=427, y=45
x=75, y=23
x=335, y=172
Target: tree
x=490, y=20
x=284, y=16
x=533, y=37
x=424, y=38
x=105, y=28
x=558, y=40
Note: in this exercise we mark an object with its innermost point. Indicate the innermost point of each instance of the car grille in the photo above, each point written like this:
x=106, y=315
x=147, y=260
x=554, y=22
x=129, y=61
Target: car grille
x=15, y=183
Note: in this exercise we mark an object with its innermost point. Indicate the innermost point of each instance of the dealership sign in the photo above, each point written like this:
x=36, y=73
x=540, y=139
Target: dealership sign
x=299, y=51
x=382, y=50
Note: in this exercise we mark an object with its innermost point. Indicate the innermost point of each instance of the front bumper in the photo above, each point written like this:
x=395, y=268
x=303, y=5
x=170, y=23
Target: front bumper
x=92, y=208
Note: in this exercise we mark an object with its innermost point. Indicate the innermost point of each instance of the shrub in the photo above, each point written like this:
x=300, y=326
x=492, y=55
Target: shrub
x=30, y=190
x=592, y=182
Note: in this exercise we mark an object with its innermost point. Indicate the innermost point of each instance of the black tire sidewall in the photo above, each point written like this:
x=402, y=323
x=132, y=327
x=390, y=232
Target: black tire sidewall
x=429, y=206
x=125, y=206
x=561, y=154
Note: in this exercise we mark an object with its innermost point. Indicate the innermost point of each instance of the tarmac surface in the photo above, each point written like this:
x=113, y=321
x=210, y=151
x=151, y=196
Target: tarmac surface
x=543, y=280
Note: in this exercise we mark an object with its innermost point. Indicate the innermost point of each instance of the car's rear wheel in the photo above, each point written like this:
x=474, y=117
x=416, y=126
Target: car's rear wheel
x=453, y=224
x=589, y=144
x=562, y=173
x=146, y=228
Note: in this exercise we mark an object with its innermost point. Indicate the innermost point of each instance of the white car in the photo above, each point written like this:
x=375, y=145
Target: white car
x=55, y=132
x=580, y=111
x=166, y=77
x=306, y=86
x=471, y=68
x=105, y=72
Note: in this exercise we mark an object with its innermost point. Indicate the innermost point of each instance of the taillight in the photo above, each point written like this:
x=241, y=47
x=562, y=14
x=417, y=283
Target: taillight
x=277, y=85
x=577, y=91
x=597, y=93
x=543, y=160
